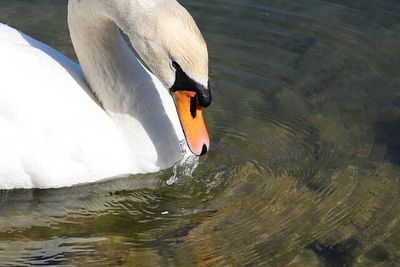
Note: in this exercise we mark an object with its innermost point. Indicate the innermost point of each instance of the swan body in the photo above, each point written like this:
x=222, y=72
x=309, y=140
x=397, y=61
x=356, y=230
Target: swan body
x=61, y=125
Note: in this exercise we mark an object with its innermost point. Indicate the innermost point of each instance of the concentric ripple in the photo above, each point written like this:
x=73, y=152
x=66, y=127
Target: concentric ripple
x=304, y=162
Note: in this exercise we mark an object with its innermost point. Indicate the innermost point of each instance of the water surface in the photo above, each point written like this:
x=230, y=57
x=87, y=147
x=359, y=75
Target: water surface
x=304, y=165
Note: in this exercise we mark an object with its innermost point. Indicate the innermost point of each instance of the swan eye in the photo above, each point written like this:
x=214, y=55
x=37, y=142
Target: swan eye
x=176, y=66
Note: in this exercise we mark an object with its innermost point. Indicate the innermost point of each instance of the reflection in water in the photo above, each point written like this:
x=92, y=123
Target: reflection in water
x=304, y=165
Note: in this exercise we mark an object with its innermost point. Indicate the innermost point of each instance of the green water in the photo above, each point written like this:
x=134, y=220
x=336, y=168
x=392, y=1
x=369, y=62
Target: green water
x=304, y=164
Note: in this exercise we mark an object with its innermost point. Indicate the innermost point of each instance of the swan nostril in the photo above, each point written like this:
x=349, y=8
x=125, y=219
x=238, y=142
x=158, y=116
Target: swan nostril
x=193, y=104
x=204, y=150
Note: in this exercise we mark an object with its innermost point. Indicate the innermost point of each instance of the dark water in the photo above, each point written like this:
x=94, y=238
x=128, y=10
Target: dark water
x=304, y=167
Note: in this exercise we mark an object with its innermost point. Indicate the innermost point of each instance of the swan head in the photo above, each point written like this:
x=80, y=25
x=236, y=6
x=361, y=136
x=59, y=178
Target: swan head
x=172, y=47
x=167, y=41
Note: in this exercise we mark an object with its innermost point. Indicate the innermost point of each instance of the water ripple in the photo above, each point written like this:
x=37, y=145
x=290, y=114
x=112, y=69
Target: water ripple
x=304, y=161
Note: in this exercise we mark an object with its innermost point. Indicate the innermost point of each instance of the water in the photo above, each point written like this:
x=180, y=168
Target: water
x=304, y=164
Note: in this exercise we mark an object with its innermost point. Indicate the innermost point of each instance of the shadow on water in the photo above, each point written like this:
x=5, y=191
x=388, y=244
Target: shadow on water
x=387, y=133
x=339, y=255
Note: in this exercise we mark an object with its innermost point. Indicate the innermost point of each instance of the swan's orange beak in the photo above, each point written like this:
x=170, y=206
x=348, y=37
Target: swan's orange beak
x=190, y=115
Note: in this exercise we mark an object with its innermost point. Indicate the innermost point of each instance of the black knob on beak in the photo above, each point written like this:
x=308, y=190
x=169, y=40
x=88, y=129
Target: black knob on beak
x=204, y=97
x=184, y=83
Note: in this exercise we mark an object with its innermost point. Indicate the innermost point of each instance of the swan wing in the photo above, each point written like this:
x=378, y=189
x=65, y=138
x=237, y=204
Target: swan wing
x=52, y=131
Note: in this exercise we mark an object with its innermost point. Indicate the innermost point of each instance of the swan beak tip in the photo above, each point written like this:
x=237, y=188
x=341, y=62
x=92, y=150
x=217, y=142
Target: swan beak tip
x=191, y=118
x=199, y=148
x=204, y=150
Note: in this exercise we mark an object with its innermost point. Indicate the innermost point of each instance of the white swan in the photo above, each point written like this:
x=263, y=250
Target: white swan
x=54, y=132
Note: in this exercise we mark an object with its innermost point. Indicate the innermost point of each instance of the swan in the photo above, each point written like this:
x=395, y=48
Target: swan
x=118, y=112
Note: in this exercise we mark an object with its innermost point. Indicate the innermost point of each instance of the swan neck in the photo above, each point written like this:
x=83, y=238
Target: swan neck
x=136, y=101
x=107, y=62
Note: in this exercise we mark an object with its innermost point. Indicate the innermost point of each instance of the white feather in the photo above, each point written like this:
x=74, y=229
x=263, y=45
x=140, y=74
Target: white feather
x=53, y=132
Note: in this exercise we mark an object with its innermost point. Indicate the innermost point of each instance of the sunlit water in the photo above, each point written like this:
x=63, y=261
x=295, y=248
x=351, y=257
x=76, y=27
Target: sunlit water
x=304, y=163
